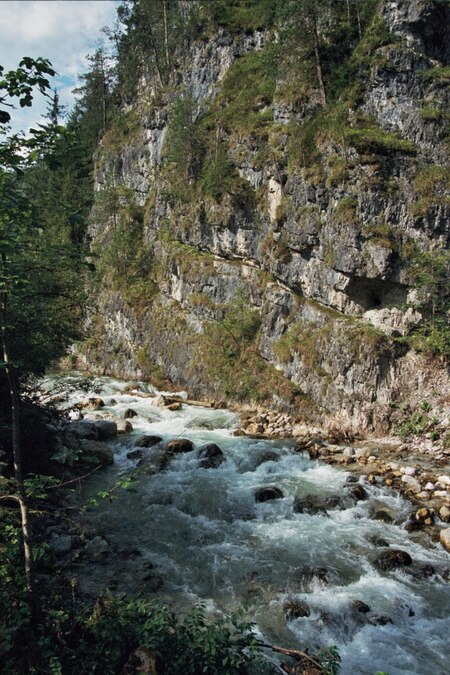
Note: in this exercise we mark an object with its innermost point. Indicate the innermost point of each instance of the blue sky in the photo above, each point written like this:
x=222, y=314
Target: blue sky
x=64, y=31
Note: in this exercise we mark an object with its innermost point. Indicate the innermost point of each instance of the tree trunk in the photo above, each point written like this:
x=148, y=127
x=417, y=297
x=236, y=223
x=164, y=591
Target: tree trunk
x=17, y=455
x=323, y=96
x=166, y=37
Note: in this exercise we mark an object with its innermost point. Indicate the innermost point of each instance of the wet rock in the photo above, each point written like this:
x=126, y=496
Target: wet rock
x=85, y=429
x=333, y=502
x=357, y=492
x=378, y=541
x=106, y=429
x=311, y=504
x=211, y=456
x=153, y=582
x=360, y=606
x=444, y=538
x=424, y=516
x=124, y=426
x=321, y=574
x=129, y=412
x=112, y=401
x=177, y=445
x=94, y=403
x=444, y=480
x=444, y=514
x=60, y=543
x=146, y=441
x=382, y=515
x=379, y=620
x=412, y=483
x=392, y=559
x=135, y=454
x=296, y=609
x=96, y=548
x=175, y=406
x=98, y=451
x=351, y=479
x=269, y=457
x=265, y=494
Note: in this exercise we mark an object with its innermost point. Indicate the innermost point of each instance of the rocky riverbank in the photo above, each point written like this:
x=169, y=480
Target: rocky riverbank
x=419, y=469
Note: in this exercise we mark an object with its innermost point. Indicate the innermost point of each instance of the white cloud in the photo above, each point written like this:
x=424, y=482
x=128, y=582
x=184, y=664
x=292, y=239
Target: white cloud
x=64, y=31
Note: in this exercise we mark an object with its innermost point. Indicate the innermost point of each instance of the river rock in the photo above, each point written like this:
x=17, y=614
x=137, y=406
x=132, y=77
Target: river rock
x=177, y=445
x=382, y=515
x=424, y=516
x=444, y=514
x=98, y=451
x=389, y=560
x=86, y=429
x=357, y=492
x=96, y=548
x=146, y=441
x=360, y=606
x=311, y=504
x=174, y=406
x=296, y=609
x=265, y=494
x=135, y=454
x=379, y=620
x=444, y=480
x=444, y=538
x=129, y=412
x=106, y=429
x=211, y=456
x=124, y=426
x=60, y=543
x=153, y=582
x=412, y=483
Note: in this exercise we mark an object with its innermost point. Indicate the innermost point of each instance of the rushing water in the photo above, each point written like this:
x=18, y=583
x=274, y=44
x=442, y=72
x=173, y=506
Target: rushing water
x=211, y=543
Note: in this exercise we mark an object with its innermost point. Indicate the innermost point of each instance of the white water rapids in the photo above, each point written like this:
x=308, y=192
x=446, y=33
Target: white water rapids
x=211, y=543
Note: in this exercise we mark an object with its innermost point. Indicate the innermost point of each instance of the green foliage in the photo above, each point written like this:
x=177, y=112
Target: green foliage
x=430, y=272
x=247, y=91
x=431, y=185
x=183, y=146
x=237, y=16
x=373, y=139
x=437, y=73
x=219, y=174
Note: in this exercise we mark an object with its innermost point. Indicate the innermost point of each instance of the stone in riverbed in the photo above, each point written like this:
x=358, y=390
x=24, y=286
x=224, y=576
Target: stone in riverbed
x=412, y=483
x=311, y=504
x=177, y=445
x=392, y=559
x=360, y=606
x=357, y=492
x=211, y=456
x=382, y=515
x=100, y=452
x=175, y=406
x=296, y=609
x=265, y=494
x=106, y=429
x=129, y=412
x=135, y=454
x=444, y=514
x=146, y=441
x=444, y=538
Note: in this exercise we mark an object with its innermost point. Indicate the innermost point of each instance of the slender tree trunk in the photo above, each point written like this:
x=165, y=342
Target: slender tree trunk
x=348, y=13
x=166, y=37
x=17, y=454
x=358, y=19
x=323, y=96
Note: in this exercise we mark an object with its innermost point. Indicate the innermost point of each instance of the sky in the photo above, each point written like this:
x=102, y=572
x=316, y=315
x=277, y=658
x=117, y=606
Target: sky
x=63, y=31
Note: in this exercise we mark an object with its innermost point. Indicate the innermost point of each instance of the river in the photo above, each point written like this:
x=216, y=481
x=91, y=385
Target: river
x=202, y=532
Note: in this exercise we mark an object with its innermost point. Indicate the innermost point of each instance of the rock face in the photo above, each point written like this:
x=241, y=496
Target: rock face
x=319, y=250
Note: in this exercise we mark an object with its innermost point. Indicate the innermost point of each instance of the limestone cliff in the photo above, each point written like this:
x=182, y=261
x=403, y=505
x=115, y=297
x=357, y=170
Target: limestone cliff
x=316, y=220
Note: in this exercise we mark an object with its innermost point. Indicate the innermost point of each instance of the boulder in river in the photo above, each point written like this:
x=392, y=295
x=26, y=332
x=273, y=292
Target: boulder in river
x=211, y=456
x=265, y=494
x=129, y=412
x=135, y=454
x=84, y=429
x=175, y=406
x=100, y=452
x=444, y=538
x=392, y=559
x=296, y=609
x=177, y=445
x=357, y=492
x=146, y=441
x=106, y=429
x=311, y=504
x=360, y=606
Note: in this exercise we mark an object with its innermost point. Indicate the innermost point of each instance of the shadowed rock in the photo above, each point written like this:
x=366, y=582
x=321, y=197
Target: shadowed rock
x=265, y=494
